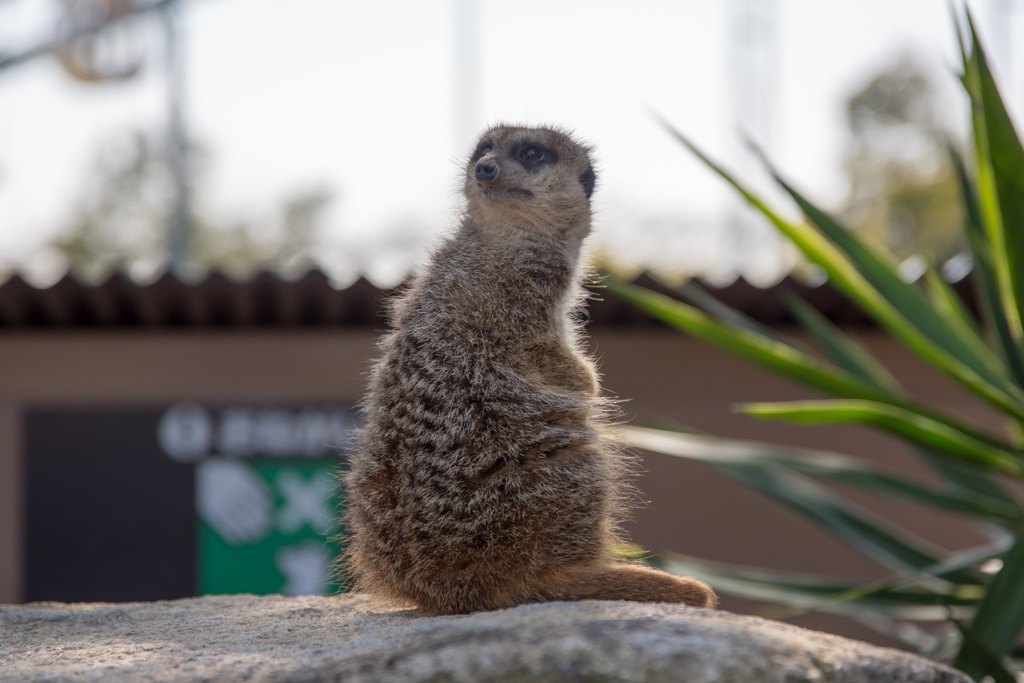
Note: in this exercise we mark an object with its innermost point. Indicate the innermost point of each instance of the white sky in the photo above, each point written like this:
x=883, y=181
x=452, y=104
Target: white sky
x=359, y=98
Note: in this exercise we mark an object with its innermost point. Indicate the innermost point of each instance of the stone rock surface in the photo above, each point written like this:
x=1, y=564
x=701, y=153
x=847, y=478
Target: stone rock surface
x=353, y=638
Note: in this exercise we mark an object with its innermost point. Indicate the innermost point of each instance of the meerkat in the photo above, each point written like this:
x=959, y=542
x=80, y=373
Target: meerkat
x=483, y=477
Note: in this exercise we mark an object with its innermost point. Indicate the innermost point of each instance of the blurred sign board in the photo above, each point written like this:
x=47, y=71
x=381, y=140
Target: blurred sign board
x=148, y=504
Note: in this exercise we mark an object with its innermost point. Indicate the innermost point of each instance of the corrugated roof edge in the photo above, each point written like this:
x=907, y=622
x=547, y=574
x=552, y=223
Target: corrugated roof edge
x=311, y=301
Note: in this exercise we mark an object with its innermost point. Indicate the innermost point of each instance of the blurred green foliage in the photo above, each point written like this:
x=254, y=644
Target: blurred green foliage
x=903, y=190
x=977, y=593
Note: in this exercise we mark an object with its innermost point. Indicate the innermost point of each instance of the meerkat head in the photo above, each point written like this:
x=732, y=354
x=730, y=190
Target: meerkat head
x=538, y=179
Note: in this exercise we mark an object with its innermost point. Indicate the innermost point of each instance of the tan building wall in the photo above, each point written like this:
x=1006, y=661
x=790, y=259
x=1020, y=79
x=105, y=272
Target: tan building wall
x=660, y=375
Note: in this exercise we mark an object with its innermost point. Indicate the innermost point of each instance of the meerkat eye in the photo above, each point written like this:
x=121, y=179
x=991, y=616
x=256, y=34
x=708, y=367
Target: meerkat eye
x=481, y=150
x=532, y=154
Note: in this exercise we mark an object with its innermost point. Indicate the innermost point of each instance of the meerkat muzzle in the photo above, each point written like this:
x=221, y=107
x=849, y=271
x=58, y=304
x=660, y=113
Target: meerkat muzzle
x=486, y=171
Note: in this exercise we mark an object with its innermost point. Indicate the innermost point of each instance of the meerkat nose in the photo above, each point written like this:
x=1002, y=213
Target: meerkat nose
x=485, y=170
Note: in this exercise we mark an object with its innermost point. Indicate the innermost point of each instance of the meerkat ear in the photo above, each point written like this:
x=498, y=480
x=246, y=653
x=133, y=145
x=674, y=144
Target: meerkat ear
x=588, y=179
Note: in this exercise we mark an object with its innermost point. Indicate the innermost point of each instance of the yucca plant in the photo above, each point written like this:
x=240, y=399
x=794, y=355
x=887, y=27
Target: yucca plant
x=979, y=592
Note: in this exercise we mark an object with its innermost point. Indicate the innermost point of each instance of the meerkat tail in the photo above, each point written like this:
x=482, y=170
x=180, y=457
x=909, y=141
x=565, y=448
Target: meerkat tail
x=628, y=582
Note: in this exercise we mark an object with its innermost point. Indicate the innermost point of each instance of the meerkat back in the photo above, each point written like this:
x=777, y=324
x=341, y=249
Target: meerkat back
x=483, y=477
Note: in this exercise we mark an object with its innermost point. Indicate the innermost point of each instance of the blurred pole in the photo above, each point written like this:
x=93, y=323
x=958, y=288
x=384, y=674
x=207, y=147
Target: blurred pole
x=1002, y=46
x=1003, y=54
x=467, y=71
x=753, y=68
x=178, y=220
x=752, y=91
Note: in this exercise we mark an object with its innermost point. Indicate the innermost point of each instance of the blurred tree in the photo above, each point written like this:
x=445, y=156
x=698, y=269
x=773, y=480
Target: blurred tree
x=115, y=53
x=902, y=188
x=119, y=223
x=89, y=33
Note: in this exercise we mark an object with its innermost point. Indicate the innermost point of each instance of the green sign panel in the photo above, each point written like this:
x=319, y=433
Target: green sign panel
x=267, y=495
x=267, y=526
